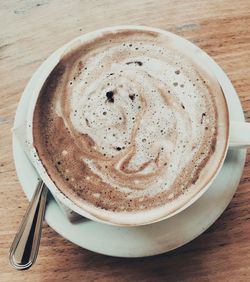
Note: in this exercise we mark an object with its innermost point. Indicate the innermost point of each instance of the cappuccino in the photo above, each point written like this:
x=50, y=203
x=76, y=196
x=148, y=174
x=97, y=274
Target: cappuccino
x=127, y=123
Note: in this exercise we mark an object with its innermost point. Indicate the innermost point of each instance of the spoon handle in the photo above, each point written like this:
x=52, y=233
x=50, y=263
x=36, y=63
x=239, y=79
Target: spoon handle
x=24, y=249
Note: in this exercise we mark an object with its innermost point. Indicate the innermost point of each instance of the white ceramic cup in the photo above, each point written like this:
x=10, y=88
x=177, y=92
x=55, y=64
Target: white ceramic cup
x=239, y=136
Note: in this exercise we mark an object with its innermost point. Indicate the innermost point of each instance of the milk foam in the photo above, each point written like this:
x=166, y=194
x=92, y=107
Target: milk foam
x=145, y=107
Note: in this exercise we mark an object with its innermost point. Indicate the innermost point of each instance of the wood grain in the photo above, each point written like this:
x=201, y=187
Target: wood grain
x=29, y=32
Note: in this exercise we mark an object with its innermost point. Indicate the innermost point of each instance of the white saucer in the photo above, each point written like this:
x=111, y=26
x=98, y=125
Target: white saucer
x=147, y=240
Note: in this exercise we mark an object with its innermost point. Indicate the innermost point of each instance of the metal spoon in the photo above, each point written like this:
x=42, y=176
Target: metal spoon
x=24, y=249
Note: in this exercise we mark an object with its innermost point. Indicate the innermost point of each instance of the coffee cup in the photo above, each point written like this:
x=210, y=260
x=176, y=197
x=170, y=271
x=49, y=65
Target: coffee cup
x=230, y=134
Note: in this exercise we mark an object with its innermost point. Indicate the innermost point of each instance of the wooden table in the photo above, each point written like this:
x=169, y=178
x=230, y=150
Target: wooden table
x=29, y=32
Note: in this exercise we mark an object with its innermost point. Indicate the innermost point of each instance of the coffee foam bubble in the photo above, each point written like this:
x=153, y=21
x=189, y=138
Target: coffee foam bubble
x=141, y=118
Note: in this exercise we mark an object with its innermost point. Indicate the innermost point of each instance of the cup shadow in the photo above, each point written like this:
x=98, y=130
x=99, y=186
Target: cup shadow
x=182, y=264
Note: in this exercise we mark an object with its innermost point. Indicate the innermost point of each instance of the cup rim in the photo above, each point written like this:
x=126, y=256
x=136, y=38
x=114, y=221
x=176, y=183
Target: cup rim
x=49, y=64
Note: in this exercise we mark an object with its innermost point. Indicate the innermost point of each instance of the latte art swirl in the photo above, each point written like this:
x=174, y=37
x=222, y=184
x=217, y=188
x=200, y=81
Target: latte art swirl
x=129, y=124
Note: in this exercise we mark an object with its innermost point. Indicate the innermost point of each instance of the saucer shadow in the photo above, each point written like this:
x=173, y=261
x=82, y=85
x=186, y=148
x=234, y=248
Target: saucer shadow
x=194, y=259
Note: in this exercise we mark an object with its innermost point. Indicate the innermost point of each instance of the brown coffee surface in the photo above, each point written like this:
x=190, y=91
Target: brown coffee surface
x=126, y=122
